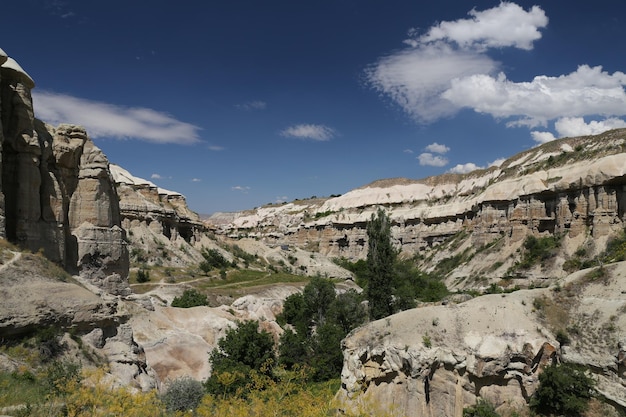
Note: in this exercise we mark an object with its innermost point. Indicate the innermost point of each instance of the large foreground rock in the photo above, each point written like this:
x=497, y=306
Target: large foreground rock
x=436, y=360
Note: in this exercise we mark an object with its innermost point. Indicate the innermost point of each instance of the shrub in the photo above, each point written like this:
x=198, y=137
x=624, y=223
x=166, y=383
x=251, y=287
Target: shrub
x=482, y=408
x=243, y=355
x=183, y=394
x=143, y=275
x=563, y=390
x=190, y=298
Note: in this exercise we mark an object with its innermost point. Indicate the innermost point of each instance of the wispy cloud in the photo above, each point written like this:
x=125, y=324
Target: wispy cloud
x=156, y=176
x=241, y=188
x=408, y=151
x=447, y=68
x=215, y=148
x=252, y=105
x=196, y=180
x=104, y=120
x=309, y=131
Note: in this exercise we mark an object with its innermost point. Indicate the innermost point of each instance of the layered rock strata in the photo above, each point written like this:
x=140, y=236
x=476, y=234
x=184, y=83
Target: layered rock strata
x=573, y=188
x=58, y=193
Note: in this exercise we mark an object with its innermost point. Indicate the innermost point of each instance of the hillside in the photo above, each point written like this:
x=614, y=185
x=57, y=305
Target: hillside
x=571, y=189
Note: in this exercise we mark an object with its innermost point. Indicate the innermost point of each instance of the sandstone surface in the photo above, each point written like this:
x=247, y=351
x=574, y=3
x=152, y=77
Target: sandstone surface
x=436, y=360
x=572, y=188
x=57, y=191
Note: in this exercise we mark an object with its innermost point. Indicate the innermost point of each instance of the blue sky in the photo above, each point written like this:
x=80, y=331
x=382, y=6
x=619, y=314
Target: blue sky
x=236, y=104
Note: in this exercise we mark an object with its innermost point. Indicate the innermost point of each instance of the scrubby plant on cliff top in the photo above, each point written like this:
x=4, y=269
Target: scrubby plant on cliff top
x=482, y=408
x=563, y=390
x=190, y=298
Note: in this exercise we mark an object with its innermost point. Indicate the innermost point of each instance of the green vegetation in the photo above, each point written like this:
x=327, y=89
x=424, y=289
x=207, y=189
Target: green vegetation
x=320, y=319
x=563, y=390
x=213, y=259
x=381, y=257
x=183, y=394
x=538, y=250
x=242, y=355
x=190, y=298
x=143, y=275
x=482, y=408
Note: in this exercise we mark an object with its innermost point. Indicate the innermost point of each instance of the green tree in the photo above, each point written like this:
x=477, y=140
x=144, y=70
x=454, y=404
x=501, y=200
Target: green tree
x=243, y=351
x=563, y=390
x=347, y=311
x=381, y=257
x=318, y=296
x=321, y=319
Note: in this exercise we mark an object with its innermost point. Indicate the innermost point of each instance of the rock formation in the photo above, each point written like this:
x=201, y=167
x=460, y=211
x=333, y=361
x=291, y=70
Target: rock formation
x=572, y=188
x=57, y=191
x=160, y=226
x=436, y=360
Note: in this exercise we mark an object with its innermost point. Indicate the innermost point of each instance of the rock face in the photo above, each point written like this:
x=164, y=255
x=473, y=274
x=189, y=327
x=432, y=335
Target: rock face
x=57, y=193
x=436, y=360
x=161, y=228
x=573, y=188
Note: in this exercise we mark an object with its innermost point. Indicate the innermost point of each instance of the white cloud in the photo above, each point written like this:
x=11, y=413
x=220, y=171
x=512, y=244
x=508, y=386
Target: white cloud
x=447, y=69
x=309, y=131
x=196, y=180
x=252, y=105
x=215, y=148
x=437, y=148
x=156, y=176
x=464, y=168
x=408, y=151
x=103, y=120
x=576, y=126
x=504, y=25
x=429, y=159
x=243, y=189
x=542, y=137
x=587, y=91
x=415, y=78
x=497, y=162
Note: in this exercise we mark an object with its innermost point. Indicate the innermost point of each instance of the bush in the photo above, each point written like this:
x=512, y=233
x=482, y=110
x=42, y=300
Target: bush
x=482, y=408
x=183, y=394
x=143, y=275
x=242, y=355
x=190, y=298
x=563, y=390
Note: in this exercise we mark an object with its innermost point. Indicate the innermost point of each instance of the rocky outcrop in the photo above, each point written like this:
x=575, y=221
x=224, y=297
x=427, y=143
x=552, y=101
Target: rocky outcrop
x=436, y=360
x=161, y=228
x=58, y=193
x=572, y=188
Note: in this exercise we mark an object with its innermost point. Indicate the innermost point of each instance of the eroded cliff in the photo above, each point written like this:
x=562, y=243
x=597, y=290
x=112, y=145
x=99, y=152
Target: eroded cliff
x=572, y=188
x=58, y=193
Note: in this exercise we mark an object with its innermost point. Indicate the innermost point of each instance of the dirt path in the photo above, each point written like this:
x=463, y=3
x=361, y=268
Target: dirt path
x=16, y=257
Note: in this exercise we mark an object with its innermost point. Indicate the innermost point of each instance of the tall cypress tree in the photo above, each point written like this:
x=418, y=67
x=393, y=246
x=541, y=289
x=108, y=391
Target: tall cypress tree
x=381, y=257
